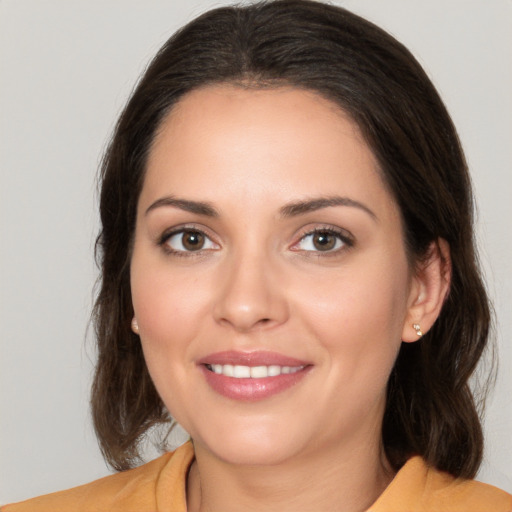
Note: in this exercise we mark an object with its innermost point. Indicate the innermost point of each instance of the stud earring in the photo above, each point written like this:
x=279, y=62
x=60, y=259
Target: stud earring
x=417, y=328
x=135, y=326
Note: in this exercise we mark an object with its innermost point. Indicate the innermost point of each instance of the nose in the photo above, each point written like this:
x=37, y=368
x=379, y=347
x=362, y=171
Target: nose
x=251, y=295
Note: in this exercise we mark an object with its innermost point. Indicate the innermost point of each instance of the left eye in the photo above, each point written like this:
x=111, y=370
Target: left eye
x=323, y=241
x=189, y=241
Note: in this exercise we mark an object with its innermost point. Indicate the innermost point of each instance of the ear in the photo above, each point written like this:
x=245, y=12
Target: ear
x=429, y=289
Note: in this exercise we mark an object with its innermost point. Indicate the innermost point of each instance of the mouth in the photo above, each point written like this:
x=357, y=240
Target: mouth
x=252, y=372
x=252, y=376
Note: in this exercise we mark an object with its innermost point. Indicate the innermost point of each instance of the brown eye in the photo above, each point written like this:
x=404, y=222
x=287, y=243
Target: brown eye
x=188, y=240
x=324, y=241
x=192, y=240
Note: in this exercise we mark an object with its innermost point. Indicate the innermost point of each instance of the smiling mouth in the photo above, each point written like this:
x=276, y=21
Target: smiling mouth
x=252, y=376
x=252, y=372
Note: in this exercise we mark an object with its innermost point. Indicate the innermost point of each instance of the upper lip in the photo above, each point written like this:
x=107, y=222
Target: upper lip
x=255, y=358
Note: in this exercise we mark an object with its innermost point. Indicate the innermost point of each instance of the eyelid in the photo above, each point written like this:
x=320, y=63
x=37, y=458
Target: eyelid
x=345, y=236
x=175, y=230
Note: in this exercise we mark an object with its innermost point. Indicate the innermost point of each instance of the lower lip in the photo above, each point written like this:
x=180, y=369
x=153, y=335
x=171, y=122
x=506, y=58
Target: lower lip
x=252, y=389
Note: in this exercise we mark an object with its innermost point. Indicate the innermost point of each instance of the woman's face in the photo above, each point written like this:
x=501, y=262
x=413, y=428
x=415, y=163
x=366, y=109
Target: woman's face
x=269, y=277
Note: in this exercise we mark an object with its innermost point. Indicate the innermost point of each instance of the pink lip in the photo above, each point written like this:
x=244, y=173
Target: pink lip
x=257, y=358
x=252, y=389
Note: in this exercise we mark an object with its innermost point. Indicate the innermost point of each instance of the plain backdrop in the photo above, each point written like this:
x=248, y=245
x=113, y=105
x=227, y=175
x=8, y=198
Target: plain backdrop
x=66, y=69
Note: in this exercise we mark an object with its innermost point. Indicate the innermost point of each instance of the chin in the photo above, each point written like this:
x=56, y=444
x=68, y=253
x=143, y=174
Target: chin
x=252, y=447
x=256, y=453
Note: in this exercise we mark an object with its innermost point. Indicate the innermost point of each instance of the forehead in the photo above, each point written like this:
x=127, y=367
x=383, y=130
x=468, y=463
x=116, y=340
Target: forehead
x=230, y=140
x=272, y=118
x=225, y=105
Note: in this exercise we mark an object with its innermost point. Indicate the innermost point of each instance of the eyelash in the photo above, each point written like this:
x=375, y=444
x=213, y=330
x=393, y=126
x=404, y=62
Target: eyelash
x=345, y=238
x=167, y=235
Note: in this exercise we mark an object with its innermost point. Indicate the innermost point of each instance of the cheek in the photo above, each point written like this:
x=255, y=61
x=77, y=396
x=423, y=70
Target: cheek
x=358, y=318
x=168, y=307
x=167, y=303
x=164, y=319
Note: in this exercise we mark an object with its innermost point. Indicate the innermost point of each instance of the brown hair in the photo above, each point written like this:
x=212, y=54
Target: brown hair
x=430, y=408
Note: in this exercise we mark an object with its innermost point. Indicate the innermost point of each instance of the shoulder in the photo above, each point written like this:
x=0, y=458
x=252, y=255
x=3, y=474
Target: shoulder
x=443, y=492
x=132, y=490
x=420, y=488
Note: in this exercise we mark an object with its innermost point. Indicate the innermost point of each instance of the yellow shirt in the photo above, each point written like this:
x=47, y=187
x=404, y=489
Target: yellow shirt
x=159, y=486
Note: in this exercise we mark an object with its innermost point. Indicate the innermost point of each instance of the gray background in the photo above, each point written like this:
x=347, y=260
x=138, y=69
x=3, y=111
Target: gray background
x=66, y=68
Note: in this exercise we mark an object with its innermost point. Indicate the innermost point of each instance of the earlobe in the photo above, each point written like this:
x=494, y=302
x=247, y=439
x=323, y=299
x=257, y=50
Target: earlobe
x=417, y=328
x=431, y=284
x=135, y=326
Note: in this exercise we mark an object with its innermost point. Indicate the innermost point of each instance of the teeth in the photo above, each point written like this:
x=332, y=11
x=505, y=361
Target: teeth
x=226, y=370
x=258, y=372
x=241, y=372
x=274, y=370
x=253, y=372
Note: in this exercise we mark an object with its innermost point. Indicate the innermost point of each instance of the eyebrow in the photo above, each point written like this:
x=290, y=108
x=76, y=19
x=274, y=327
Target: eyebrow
x=198, y=207
x=312, y=205
x=290, y=210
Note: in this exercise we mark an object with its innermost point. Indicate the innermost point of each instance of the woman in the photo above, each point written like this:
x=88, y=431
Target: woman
x=288, y=271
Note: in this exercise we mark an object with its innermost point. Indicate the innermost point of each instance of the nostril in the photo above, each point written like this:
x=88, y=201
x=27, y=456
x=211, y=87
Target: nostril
x=263, y=323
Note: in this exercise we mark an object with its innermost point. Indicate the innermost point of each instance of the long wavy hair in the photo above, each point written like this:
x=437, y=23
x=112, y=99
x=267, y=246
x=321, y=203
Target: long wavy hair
x=430, y=409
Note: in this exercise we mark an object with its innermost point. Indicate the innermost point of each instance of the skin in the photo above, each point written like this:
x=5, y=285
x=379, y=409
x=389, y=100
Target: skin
x=260, y=283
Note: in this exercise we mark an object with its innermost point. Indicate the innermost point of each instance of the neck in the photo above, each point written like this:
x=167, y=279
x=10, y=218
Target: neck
x=346, y=478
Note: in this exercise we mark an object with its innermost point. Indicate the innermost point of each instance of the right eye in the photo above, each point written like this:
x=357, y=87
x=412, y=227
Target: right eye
x=188, y=240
